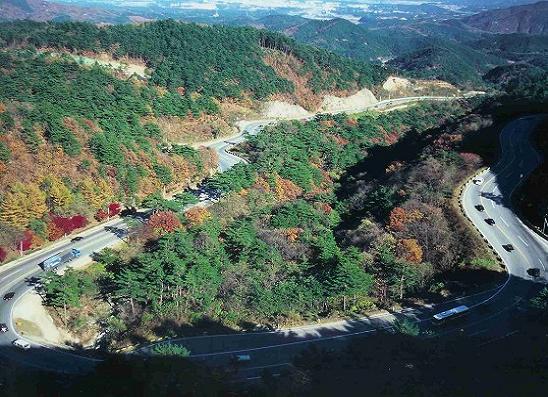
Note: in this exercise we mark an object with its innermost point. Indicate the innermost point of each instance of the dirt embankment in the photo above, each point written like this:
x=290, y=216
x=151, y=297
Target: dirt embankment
x=352, y=103
x=280, y=109
x=33, y=321
x=395, y=86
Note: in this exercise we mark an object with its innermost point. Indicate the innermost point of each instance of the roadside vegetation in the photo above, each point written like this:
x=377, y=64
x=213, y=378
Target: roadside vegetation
x=530, y=197
x=300, y=234
x=78, y=141
x=74, y=144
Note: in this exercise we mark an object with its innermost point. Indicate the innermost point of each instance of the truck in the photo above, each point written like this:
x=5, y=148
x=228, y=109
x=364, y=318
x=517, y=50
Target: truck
x=53, y=262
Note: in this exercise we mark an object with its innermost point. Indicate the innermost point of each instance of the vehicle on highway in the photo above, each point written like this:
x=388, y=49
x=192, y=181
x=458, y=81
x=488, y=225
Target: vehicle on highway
x=3, y=328
x=490, y=221
x=76, y=239
x=9, y=296
x=477, y=181
x=53, y=262
x=21, y=344
x=450, y=314
x=534, y=272
x=480, y=207
x=508, y=247
x=242, y=357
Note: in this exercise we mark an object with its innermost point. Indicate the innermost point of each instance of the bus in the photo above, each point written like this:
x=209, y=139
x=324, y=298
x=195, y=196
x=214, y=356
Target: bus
x=450, y=314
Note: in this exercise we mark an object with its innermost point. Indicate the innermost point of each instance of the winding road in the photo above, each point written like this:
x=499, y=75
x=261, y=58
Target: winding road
x=275, y=349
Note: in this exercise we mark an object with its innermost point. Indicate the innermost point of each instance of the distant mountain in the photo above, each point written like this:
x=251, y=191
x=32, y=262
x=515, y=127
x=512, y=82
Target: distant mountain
x=337, y=35
x=41, y=10
x=529, y=18
x=451, y=62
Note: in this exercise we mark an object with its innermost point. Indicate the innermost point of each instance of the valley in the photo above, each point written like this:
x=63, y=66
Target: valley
x=282, y=200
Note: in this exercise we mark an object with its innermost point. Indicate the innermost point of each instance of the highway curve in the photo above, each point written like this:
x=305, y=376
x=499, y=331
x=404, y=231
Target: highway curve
x=491, y=312
x=275, y=349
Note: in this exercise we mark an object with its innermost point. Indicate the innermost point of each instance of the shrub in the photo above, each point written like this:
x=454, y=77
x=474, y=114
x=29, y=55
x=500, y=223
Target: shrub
x=3, y=254
x=169, y=349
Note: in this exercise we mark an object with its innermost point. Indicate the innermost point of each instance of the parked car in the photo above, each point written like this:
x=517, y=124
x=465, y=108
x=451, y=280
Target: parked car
x=76, y=239
x=490, y=221
x=480, y=207
x=508, y=247
x=3, y=328
x=21, y=344
x=9, y=296
x=534, y=272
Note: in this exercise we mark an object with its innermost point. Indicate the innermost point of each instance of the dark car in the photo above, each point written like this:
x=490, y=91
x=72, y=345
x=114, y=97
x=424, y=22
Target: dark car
x=534, y=272
x=76, y=239
x=490, y=221
x=3, y=328
x=9, y=296
x=508, y=247
x=480, y=207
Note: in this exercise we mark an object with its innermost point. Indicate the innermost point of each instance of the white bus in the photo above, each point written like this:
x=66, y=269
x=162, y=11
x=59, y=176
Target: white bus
x=450, y=314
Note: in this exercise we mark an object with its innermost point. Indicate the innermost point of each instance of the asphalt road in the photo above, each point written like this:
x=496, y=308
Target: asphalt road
x=275, y=349
x=20, y=278
x=491, y=314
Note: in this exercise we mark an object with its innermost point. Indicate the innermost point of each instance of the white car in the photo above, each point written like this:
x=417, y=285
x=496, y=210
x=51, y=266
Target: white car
x=21, y=344
x=477, y=181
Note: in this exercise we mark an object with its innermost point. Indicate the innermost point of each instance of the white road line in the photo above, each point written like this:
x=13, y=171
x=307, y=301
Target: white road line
x=502, y=219
x=493, y=203
x=542, y=264
x=479, y=332
x=523, y=241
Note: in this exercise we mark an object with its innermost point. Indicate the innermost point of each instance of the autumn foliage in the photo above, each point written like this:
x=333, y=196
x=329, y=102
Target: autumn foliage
x=410, y=250
x=197, y=215
x=114, y=209
x=399, y=218
x=162, y=222
x=3, y=254
x=26, y=242
x=287, y=189
x=68, y=224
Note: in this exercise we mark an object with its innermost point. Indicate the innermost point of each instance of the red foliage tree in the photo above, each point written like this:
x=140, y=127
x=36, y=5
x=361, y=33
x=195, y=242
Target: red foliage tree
x=3, y=254
x=101, y=215
x=79, y=221
x=26, y=242
x=63, y=223
x=163, y=222
x=114, y=209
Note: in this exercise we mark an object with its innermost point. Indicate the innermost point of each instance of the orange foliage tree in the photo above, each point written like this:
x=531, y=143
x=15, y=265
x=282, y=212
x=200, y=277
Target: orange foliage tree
x=197, y=215
x=286, y=189
x=162, y=222
x=410, y=250
x=397, y=219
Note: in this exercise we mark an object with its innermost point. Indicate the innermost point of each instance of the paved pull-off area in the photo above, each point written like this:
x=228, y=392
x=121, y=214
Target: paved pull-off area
x=490, y=314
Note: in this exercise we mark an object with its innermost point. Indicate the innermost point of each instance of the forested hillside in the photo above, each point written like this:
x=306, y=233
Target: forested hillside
x=213, y=61
x=77, y=139
x=452, y=63
x=277, y=248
